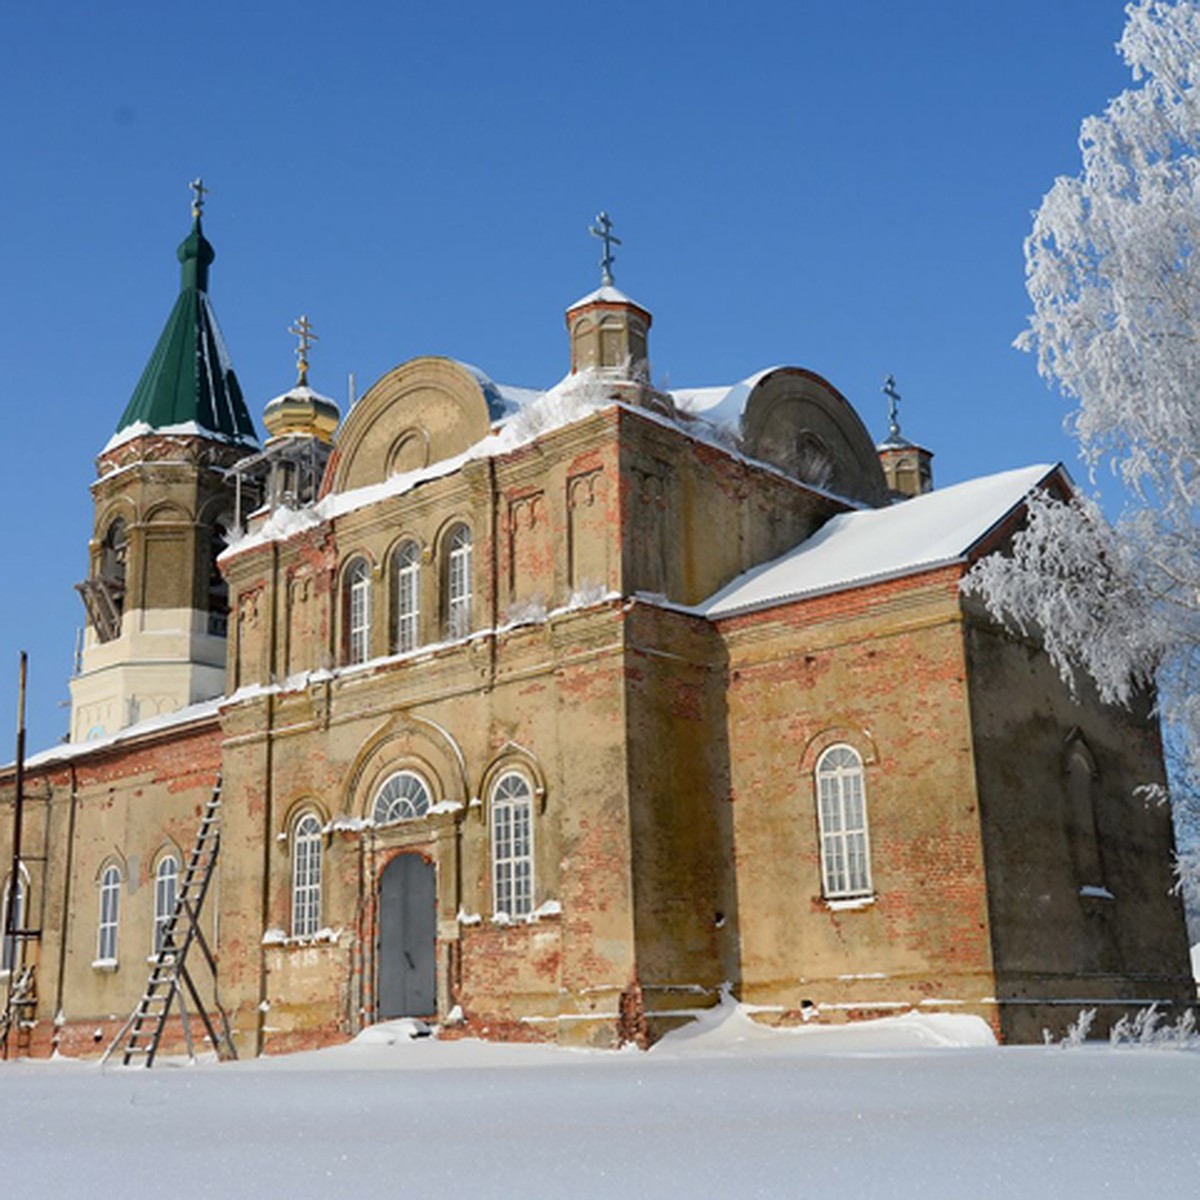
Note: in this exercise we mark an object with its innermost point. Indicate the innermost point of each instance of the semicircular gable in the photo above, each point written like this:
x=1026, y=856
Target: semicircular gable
x=803, y=425
x=422, y=412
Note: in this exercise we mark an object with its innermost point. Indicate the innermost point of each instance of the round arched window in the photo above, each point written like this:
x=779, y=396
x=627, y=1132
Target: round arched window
x=403, y=797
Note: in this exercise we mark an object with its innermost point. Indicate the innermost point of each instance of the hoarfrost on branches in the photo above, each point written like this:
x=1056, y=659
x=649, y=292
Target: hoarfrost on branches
x=1113, y=271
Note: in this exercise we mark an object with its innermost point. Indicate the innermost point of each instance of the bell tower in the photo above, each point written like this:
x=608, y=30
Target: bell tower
x=156, y=603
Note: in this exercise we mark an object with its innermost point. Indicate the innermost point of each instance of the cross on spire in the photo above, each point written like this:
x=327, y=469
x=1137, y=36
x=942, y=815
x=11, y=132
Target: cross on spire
x=610, y=239
x=889, y=390
x=199, y=191
x=303, y=330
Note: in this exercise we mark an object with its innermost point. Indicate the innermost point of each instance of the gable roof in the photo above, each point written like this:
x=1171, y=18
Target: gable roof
x=871, y=545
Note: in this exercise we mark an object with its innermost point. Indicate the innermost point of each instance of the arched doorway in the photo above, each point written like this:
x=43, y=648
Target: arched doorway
x=407, y=936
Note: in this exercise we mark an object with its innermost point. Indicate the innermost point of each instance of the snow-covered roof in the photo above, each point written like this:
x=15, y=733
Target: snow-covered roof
x=200, y=711
x=503, y=399
x=180, y=429
x=721, y=406
x=870, y=545
x=605, y=295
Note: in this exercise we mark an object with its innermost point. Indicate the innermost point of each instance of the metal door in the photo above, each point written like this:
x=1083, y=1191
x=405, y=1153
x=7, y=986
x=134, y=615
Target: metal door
x=407, y=933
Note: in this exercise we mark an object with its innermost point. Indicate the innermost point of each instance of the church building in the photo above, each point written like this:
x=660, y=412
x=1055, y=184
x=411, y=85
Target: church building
x=551, y=713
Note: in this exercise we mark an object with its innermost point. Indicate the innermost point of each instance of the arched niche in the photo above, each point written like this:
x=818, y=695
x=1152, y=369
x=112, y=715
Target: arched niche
x=424, y=411
x=801, y=424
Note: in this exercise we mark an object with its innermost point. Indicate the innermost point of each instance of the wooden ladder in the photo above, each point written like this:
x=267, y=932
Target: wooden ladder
x=170, y=980
x=19, y=1006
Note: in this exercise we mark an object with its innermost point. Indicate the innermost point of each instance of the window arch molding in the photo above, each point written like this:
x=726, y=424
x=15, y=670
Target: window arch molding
x=407, y=560
x=120, y=510
x=356, y=588
x=513, y=757
x=166, y=512
x=404, y=740
x=839, y=787
x=859, y=739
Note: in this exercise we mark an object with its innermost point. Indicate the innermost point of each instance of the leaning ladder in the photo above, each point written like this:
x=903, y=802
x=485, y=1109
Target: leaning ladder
x=169, y=975
x=19, y=1006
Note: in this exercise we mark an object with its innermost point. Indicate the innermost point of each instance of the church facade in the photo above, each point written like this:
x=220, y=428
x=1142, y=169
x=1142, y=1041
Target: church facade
x=548, y=715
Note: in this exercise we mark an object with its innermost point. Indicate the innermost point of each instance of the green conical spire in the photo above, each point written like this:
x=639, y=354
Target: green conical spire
x=189, y=381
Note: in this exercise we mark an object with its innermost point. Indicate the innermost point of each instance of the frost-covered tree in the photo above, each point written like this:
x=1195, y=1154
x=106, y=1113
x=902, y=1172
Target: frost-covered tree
x=1113, y=271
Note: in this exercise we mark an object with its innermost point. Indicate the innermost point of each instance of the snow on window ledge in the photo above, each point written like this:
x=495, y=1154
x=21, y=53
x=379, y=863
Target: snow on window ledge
x=466, y=918
x=548, y=908
x=280, y=937
x=848, y=903
x=1096, y=892
x=104, y=964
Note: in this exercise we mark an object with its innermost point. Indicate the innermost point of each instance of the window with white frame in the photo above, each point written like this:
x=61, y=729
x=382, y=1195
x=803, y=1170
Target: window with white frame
x=306, y=876
x=512, y=846
x=402, y=797
x=9, y=955
x=407, y=567
x=358, y=611
x=842, y=816
x=166, y=888
x=110, y=911
x=458, y=582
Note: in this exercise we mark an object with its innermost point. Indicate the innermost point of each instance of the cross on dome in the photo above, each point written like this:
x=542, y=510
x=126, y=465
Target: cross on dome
x=610, y=239
x=304, y=331
x=889, y=390
x=199, y=191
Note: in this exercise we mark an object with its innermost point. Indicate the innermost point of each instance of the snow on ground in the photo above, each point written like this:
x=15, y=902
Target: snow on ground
x=911, y=1106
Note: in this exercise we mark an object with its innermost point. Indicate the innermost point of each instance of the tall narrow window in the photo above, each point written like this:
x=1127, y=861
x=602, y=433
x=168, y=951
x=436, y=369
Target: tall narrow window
x=512, y=846
x=166, y=884
x=458, y=582
x=218, y=588
x=9, y=955
x=306, y=876
x=842, y=816
x=358, y=611
x=104, y=594
x=110, y=911
x=407, y=567
x=1082, y=833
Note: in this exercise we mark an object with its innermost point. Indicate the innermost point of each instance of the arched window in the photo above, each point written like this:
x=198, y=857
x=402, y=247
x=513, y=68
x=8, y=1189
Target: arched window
x=306, y=876
x=358, y=611
x=10, y=957
x=842, y=816
x=458, y=582
x=512, y=846
x=166, y=887
x=403, y=797
x=104, y=595
x=218, y=587
x=406, y=567
x=110, y=911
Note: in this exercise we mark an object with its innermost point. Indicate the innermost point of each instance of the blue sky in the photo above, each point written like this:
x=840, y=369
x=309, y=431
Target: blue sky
x=839, y=186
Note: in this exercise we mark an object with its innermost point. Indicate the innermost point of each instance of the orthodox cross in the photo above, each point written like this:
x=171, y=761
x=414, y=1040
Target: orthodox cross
x=199, y=191
x=303, y=330
x=889, y=390
x=610, y=239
